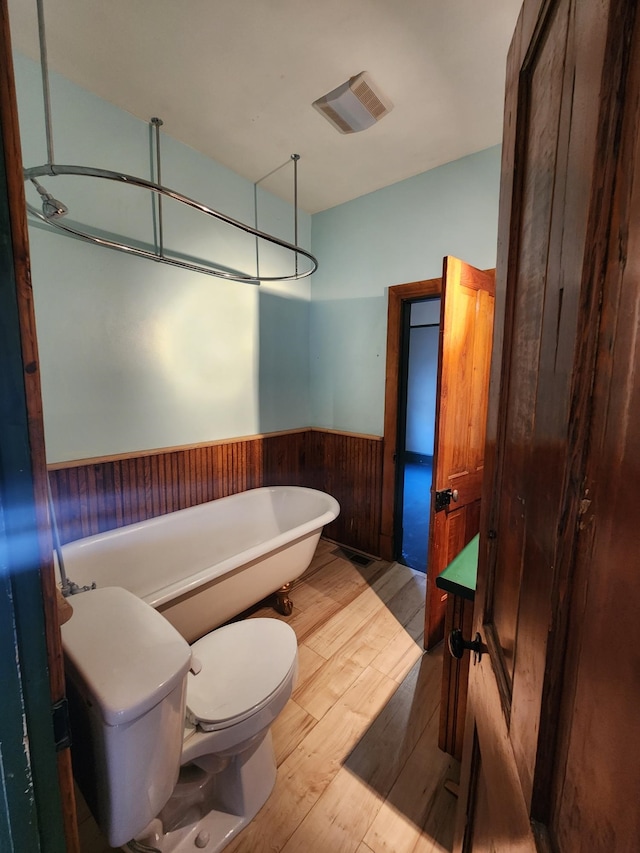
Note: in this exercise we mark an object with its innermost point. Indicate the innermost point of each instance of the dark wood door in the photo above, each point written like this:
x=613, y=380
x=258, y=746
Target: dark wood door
x=466, y=326
x=551, y=741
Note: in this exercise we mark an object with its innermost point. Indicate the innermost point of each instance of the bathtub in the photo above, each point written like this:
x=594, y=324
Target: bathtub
x=203, y=565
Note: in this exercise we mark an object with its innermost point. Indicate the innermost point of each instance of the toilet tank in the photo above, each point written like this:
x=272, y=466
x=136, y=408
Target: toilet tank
x=126, y=670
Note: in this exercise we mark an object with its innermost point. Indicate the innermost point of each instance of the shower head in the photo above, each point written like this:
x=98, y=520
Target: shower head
x=51, y=207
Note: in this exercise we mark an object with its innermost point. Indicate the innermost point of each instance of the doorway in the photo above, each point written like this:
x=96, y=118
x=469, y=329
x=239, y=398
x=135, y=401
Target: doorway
x=399, y=296
x=465, y=342
x=418, y=371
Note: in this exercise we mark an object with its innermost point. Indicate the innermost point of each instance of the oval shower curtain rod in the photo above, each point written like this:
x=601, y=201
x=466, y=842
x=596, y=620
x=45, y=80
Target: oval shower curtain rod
x=58, y=210
x=53, y=210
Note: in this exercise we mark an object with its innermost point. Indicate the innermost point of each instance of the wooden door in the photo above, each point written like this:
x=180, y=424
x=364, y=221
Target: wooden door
x=551, y=741
x=466, y=327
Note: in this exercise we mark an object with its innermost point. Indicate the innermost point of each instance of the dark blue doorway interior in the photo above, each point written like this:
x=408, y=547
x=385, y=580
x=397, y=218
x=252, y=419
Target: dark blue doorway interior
x=415, y=512
x=416, y=412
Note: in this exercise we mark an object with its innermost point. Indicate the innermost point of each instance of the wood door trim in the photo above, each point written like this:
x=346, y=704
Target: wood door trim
x=364, y=435
x=398, y=295
x=159, y=451
x=218, y=442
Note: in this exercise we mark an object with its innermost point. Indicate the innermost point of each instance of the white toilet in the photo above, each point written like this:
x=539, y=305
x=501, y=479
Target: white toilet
x=171, y=742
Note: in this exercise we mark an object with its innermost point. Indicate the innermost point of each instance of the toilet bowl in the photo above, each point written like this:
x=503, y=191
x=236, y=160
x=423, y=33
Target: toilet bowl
x=178, y=737
x=241, y=677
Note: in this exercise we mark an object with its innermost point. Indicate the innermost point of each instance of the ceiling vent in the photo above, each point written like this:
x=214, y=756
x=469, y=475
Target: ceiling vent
x=355, y=105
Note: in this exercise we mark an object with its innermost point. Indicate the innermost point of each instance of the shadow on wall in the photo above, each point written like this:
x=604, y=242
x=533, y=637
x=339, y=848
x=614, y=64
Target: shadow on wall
x=347, y=363
x=283, y=369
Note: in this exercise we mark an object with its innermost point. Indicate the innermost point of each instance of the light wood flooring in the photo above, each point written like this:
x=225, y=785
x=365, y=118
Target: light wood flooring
x=359, y=769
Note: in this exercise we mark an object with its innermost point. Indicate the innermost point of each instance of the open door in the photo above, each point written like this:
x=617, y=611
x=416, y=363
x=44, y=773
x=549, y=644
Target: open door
x=551, y=738
x=466, y=329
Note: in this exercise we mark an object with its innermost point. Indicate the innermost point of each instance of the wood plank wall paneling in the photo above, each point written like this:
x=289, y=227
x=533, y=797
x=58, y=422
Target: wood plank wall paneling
x=284, y=460
x=102, y=494
x=350, y=468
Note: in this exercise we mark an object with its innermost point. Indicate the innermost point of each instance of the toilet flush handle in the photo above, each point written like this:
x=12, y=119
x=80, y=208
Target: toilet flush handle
x=196, y=665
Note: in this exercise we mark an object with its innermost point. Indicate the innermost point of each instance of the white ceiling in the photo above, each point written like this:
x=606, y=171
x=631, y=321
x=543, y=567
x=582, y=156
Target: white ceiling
x=235, y=79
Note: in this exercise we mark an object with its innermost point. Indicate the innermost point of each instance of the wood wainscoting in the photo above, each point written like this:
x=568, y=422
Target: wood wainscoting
x=92, y=495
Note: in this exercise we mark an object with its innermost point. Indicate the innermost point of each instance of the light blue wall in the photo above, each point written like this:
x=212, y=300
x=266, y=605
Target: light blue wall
x=421, y=390
x=392, y=236
x=422, y=376
x=134, y=354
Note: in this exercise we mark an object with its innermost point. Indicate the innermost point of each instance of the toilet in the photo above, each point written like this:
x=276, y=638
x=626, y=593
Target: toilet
x=172, y=743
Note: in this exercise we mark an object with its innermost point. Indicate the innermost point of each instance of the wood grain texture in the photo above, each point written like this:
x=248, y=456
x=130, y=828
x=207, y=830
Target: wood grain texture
x=365, y=773
x=455, y=675
x=602, y=745
x=100, y=495
x=554, y=702
x=464, y=356
x=382, y=731
x=473, y=812
x=349, y=467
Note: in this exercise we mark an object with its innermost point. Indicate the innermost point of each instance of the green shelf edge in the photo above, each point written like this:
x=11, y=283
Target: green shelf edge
x=460, y=575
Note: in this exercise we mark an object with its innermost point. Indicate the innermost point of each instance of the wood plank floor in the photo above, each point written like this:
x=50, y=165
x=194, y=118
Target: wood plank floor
x=359, y=769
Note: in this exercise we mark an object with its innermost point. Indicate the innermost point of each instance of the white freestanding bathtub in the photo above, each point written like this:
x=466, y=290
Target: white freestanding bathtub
x=203, y=565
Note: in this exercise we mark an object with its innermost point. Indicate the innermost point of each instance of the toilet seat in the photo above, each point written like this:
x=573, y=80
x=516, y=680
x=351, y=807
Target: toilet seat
x=241, y=667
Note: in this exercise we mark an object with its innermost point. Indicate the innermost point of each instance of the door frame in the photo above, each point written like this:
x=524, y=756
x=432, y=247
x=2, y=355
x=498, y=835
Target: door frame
x=37, y=640
x=399, y=294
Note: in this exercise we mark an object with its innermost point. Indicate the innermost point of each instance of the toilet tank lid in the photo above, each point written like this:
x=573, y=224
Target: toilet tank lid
x=122, y=653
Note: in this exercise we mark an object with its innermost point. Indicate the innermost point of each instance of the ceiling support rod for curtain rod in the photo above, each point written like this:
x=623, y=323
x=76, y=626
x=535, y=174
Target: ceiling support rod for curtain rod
x=46, y=92
x=130, y=180
x=255, y=222
x=53, y=210
x=295, y=158
x=157, y=123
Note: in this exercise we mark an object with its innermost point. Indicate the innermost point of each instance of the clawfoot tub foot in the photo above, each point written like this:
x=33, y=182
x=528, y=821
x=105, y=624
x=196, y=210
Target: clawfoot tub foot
x=283, y=603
